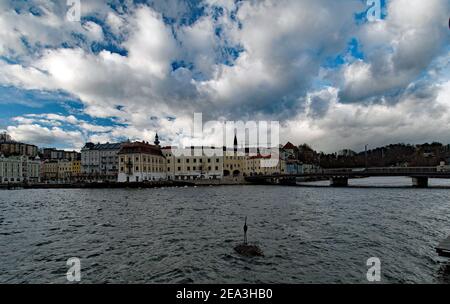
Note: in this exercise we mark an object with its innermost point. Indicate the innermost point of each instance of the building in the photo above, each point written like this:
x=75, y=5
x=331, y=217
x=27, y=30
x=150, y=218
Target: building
x=443, y=167
x=263, y=165
x=100, y=162
x=289, y=151
x=19, y=169
x=9, y=147
x=75, y=169
x=33, y=170
x=54, y=154
x=49, y=171
x=192, y=165
x=64, y=170
x=293, y=166
x=140, y=161
x=4, y=137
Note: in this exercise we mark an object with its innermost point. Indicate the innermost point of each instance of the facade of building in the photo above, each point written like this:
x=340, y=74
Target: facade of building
x=13, y=148
x=263, y=165
x=19, y=169
x=140, y=161
x=4, y=137
x=54, y=154
x=191, y=166
x=75, y=169
x=289, y=151
x=49, y=171
x=100, y=162
x=233, y=164
x=64, y=171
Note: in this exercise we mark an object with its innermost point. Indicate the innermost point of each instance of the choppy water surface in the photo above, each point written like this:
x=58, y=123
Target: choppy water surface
x=172, y=235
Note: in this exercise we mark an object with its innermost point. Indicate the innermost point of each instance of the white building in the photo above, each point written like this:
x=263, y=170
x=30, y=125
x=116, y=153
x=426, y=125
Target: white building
x=18, y=169
x=100, y=162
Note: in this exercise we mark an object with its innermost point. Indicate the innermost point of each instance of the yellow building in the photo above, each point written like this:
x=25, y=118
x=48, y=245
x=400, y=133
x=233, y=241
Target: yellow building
x=233, y=165
x=140, y=161
x=64, y=170
x=75, y=169
x=49, y=170
x=191, y=165
x=263, y=165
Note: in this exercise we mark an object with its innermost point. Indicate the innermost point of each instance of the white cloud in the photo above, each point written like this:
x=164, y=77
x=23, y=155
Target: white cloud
x=44, y=137
x=397, y=49
x=283, y=46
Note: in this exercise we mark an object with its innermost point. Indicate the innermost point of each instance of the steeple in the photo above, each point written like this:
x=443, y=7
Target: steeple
x=235, y=143
x=156, y=142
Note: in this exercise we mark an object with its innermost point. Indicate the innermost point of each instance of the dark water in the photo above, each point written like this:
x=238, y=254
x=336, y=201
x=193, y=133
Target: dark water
x=309, y=235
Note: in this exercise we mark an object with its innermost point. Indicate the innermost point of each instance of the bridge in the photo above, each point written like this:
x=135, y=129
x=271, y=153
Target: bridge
x=340, y=177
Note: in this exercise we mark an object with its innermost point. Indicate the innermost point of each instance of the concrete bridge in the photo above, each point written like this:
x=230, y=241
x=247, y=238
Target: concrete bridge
x=340, y=177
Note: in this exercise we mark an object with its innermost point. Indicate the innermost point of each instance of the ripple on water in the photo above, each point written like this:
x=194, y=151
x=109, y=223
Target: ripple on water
x=173, y=235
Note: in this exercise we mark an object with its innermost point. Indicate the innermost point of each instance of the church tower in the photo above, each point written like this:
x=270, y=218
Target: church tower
x=156, y=142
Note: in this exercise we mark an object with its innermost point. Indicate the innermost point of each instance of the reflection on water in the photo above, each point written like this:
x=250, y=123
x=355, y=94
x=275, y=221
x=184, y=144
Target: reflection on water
x=173, y=235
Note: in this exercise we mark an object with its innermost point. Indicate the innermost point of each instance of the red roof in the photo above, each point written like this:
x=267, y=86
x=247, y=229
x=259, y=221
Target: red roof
x=289, y=146
x=260, y=156
x=139, y=147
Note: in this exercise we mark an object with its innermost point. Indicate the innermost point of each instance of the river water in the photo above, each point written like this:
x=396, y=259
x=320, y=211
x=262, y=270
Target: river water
x=187, y=235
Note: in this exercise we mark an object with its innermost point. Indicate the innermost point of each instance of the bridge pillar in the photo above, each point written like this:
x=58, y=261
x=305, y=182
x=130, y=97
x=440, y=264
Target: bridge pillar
x=339, y=181
x=420, y=182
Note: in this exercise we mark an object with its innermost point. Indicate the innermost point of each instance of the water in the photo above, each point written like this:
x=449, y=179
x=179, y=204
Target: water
x=187, y=235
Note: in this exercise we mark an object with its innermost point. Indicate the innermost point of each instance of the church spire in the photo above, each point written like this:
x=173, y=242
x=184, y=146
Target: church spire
x=156, y=142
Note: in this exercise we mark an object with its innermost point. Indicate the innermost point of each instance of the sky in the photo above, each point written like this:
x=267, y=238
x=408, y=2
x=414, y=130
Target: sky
x=333, y=78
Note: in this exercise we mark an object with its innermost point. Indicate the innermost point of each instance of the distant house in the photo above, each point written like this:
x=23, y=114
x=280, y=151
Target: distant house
x=289, y=151
x=99, y=162
x=10, y=147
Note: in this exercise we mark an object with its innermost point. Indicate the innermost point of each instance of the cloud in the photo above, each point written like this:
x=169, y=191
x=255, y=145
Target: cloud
x=139, y=64
x=398, y=49
x=44, y=137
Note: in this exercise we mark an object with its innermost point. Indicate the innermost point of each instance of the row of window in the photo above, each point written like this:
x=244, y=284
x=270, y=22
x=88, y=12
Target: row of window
x=12, y=179
x=194, y=160
x=144, y=159
x=194, y=168
x=153, y=169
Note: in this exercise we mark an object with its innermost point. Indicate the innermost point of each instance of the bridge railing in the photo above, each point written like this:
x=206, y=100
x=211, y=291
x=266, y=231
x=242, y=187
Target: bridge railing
x=401, y=170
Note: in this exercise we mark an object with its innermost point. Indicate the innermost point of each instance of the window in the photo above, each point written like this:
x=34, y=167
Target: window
x=178, y=160
x=187, y=160
x=200, y=160
x=137, y=168
x=209, y=168
x=217, y=168
x=168, y=168
x=195, y=160
x=137, y=158
x=189, y=168
x=179, y=168
x=168, y=161
x=209, y=160
x=217, y=160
